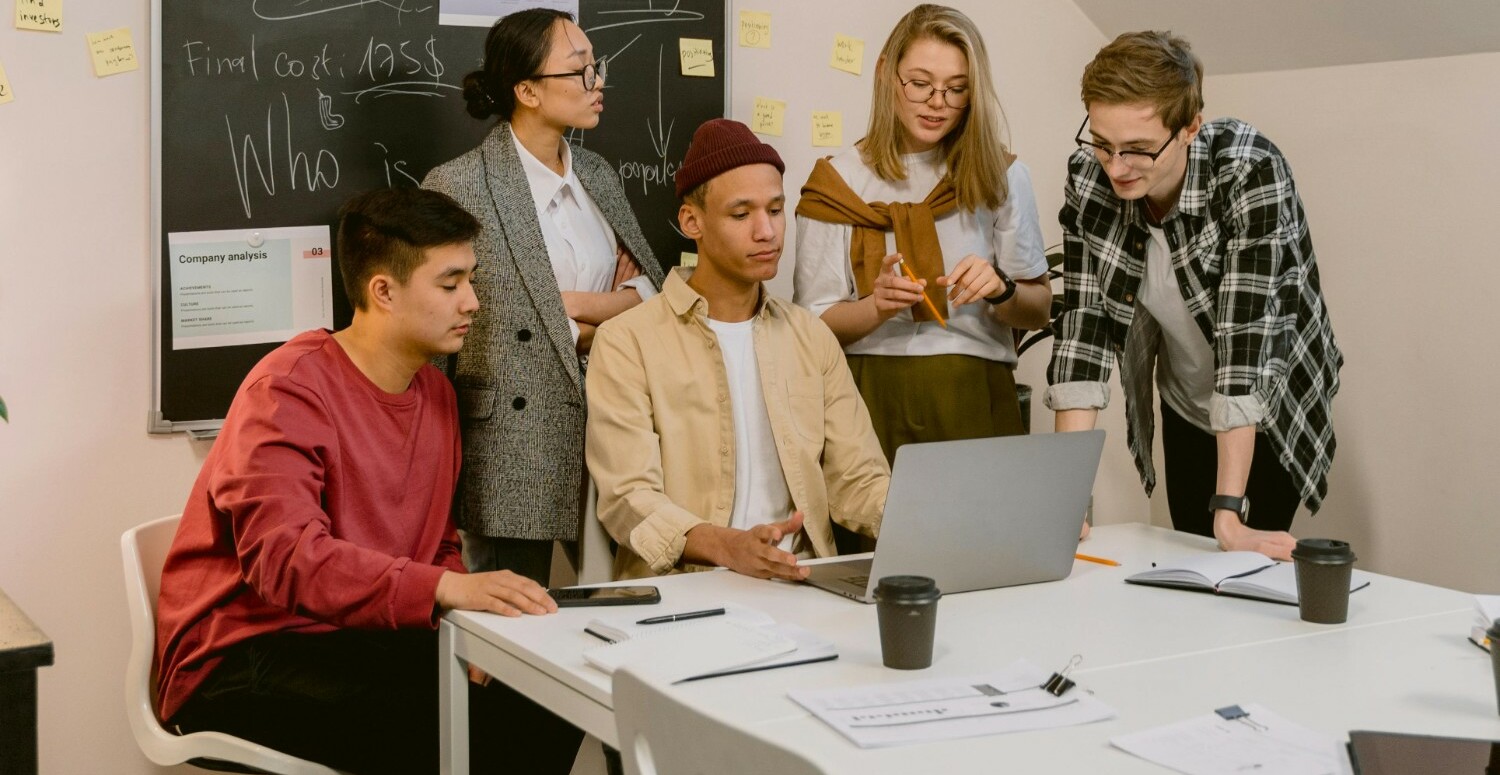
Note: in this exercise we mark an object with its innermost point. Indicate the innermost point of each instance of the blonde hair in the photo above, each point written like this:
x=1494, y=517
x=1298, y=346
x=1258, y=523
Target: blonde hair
x=974, y=150
x=1155, y=68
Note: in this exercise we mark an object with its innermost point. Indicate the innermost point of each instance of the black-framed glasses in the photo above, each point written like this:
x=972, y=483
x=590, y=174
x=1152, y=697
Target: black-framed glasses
x=917, y=90
x=590, y=75
x=1140, y=160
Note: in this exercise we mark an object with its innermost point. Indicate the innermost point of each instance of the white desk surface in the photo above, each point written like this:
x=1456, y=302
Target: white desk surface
x=1418, y=675
x=1135, y=640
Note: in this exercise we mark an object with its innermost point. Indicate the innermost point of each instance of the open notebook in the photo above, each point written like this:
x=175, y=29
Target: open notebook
x=1237, y=574
x=743, y=640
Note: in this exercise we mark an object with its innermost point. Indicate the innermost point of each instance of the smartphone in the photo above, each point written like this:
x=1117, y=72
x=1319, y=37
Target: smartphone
x=579, y=596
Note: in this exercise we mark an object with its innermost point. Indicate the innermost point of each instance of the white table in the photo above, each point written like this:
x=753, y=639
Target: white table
x=1156, y=655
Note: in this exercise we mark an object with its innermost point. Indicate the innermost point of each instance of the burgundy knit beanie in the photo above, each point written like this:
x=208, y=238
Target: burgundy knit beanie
x=719, y=146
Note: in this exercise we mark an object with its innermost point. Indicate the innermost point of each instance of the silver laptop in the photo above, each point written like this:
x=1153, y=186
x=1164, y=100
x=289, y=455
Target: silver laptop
x=978, y=514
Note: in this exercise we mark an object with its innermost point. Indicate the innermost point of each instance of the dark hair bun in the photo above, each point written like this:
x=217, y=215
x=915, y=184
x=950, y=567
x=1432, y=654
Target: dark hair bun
x=479, y=103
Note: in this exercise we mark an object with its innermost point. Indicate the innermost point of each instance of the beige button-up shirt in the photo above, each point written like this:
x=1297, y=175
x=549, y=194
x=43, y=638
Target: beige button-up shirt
x=661, y=430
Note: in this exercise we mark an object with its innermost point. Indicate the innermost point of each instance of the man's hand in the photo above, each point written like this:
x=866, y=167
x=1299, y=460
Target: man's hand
x=626, y=268
x=752, y=552
x=499, y=592
x=893, y=291
x=1084, y=533
x=1235, y=537
x=974, y=279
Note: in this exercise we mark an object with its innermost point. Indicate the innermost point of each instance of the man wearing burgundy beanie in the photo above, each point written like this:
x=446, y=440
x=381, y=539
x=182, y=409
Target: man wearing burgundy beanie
x=724, y=428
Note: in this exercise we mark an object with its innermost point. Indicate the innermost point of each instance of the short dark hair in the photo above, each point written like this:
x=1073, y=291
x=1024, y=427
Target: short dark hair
x=387, y=231
x=515, y=49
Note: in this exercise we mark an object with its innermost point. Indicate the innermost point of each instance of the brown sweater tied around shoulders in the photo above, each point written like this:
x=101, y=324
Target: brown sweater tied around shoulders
x=826, y=197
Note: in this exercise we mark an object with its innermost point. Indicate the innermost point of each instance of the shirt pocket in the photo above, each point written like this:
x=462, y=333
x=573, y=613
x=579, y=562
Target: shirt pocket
x=805, y=405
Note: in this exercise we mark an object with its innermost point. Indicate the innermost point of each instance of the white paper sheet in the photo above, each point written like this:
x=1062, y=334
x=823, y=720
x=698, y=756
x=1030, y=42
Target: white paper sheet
x=1262, y=742
x=1008, y=700
x=248, y=286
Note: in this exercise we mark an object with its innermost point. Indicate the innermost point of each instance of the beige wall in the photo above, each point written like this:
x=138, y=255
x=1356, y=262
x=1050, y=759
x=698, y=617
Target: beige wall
x=1394, y=161
x=1396, y=165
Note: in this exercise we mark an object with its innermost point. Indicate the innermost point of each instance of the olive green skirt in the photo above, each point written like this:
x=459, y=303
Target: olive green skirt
x=936, y=398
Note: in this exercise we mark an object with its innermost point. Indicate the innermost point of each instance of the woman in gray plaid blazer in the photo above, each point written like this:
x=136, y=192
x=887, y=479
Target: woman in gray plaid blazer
x=559, y=253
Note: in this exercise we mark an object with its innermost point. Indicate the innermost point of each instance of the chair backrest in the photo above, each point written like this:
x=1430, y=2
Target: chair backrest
x=659, y=734
x=144, y=551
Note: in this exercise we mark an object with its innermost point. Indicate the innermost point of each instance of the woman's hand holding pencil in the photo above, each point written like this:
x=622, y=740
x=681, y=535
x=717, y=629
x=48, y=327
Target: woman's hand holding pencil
x=897, y=288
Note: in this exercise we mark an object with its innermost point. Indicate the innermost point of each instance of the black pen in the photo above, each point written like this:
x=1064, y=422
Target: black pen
x=681, y=617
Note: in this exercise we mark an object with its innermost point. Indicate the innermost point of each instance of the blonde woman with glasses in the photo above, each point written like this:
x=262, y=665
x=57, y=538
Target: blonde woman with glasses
x=921, y=248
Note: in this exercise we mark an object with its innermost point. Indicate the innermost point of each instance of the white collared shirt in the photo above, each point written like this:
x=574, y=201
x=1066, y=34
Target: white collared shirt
x=580, y=242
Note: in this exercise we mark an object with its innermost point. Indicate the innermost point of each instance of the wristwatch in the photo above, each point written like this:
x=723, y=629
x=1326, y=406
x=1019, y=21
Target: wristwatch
x=1240, y=506
x=1003, y=296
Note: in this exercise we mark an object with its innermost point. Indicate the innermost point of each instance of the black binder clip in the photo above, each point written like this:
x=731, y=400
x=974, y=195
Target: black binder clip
x=1060, y=683
x=1236, y=713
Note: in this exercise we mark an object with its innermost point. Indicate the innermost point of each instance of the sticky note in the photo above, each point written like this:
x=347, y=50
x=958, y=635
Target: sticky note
x=44, y=15
x=113, y=52
x=768, y=116
x=848, y=54
x=697, y=56
x=688, y=260
x=827, y=128
x=6, y=95
x=755, y=29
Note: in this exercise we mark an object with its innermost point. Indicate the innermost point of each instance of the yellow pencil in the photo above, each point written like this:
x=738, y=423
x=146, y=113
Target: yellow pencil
x=925, y=300
x=1100, y=560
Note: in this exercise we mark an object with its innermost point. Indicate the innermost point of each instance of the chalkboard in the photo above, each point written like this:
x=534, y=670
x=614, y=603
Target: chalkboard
x=272, y=113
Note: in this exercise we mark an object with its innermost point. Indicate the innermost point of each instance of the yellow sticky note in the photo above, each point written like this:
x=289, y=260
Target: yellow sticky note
x=688, y=260
x=768, y=116
x=848, y=54
x=827, y=128
x=44, y=15
x=755, y=29
x=697, y=56
x=113, y=52
x=6, y=95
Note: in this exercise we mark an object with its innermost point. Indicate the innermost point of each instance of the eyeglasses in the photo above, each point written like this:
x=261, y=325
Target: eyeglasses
x=922, y=91
x=1140, y=160
x=591, y=74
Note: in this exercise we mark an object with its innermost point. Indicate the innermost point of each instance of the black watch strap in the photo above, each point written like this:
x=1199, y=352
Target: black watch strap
x=1003, y=296
x=1238, y=505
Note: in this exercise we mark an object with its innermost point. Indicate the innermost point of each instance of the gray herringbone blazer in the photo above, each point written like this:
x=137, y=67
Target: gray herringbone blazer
x=519, y=384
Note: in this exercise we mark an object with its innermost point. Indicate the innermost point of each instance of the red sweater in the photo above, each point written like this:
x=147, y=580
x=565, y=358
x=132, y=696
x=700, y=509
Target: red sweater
x=324, y=504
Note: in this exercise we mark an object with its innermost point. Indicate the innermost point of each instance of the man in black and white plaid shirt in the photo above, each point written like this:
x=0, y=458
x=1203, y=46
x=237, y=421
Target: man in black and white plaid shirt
x=1188, y=262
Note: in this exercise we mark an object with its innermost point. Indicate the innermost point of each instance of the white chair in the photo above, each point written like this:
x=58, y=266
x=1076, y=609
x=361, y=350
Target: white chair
x=145, y=549
x=661, y=735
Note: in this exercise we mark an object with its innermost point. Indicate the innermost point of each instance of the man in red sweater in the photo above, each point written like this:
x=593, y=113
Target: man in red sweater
x=300, y=598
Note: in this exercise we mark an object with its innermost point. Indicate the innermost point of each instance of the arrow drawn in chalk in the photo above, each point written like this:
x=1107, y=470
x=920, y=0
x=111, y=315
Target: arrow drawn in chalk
x=661, y=136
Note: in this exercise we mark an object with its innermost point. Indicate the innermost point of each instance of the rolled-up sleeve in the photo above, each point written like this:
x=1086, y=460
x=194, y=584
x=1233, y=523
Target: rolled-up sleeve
x=1081, y=356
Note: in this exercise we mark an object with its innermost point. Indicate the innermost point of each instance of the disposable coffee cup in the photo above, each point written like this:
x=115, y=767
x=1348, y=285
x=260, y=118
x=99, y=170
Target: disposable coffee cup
x=1494, y=633
x=1323, y=570
x=907, y=608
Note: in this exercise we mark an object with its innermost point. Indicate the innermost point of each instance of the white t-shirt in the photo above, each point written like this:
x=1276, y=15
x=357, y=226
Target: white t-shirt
x=760, y=492
x=580, y=242
x=1010, y=238
x=1185, y=362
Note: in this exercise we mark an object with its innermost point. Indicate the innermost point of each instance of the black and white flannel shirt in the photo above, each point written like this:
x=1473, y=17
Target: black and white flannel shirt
x=1244, y=260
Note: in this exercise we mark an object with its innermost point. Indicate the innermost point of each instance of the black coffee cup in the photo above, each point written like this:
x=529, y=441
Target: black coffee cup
x=1494, y=633
x=1323, y=570
x=907, y=608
